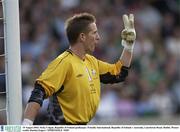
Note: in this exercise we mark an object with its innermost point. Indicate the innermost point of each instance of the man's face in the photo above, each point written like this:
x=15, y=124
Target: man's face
x=92, y=38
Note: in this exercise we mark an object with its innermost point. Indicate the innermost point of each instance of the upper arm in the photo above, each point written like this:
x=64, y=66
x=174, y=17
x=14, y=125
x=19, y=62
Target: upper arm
x=53, y=77
x=110, y=78
x=105, y=67
x=112, y=73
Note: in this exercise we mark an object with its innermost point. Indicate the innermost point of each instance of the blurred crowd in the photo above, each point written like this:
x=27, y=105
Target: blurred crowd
x=153, y=84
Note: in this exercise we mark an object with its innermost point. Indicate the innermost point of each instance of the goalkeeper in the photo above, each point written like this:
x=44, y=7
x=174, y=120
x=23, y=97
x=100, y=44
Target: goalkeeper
x=75, y=75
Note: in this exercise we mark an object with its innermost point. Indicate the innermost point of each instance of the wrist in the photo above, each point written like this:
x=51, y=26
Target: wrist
x=27, y=122
x=129, y=46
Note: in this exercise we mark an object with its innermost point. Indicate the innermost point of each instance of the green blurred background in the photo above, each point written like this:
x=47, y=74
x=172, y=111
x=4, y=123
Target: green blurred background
x=150, y=94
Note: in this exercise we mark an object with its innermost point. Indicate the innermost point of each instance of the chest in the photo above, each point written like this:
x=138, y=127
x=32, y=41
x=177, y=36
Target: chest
x=85, y=78
x=85, y=72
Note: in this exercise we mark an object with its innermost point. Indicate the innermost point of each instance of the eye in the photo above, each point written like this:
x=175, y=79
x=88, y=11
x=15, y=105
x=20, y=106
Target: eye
x=95, y=32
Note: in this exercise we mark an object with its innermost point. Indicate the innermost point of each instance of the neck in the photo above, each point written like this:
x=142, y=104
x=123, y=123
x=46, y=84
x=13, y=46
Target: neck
x=78, y=50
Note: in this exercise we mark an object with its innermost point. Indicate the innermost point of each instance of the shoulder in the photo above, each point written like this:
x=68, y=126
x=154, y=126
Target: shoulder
x=91, y=58
x=62, y=59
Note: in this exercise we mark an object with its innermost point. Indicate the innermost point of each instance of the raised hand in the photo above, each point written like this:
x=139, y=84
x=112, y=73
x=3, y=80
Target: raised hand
x=128, y=34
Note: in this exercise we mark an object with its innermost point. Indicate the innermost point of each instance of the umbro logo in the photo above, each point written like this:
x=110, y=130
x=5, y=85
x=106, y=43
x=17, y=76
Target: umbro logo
x=79, y=75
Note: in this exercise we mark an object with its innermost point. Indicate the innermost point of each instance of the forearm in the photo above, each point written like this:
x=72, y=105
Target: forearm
x=126, y=57
x=128, y=40
x=35, y=103
x=31, y=110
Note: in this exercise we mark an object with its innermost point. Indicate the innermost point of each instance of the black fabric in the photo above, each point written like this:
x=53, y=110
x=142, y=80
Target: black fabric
x=70, y=51
x=60, y=90
x=38, y=94
x=63, y=122
x=108, y=78
x=54, y=110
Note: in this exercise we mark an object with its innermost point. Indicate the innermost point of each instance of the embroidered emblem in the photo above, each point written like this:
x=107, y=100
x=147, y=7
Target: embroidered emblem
x=93, y=72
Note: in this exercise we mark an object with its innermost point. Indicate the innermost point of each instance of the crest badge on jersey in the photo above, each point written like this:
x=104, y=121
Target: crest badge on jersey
x=93, y=72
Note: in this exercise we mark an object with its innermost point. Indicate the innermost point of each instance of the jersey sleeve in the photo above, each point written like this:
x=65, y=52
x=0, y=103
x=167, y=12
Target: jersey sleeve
x=112, y=73
x=53, y=77
x=105, y=67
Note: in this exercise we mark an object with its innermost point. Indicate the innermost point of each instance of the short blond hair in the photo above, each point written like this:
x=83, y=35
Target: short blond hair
x=77, y=24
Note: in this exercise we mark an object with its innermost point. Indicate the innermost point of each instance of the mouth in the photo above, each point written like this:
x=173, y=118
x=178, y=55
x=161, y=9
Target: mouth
x=96, y=43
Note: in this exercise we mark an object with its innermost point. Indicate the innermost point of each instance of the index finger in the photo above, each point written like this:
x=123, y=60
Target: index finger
x=126, y=21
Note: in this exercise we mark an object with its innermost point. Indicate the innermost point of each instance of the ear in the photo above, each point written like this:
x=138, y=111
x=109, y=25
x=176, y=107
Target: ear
x=82, y=37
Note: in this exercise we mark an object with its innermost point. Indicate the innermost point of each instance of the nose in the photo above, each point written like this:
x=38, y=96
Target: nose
x=97, y=37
